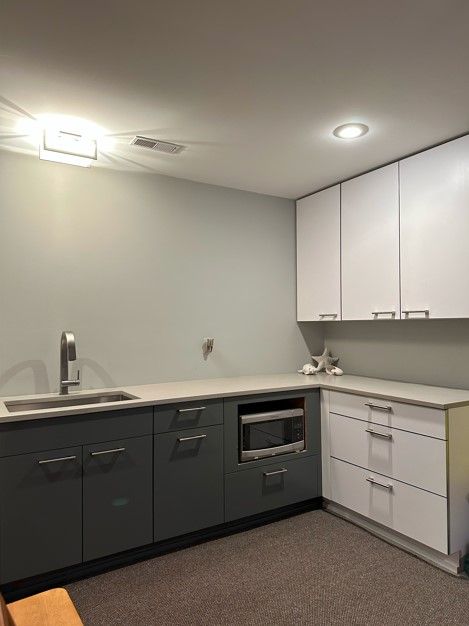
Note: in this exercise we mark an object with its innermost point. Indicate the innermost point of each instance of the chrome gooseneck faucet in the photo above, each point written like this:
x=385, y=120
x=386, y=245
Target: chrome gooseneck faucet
x=68, y=352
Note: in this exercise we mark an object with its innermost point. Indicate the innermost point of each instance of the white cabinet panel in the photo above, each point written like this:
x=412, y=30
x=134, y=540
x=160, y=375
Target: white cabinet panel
x=318, y=256
x=414, y=459
x=370, y=245
x=417, y=419
x=413, y=512
x=434, y=198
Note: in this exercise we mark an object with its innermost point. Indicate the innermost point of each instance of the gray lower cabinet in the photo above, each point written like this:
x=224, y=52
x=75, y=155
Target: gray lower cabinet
x=260, y=489
x=117, y=496
x=188, y=481
x=40, y=512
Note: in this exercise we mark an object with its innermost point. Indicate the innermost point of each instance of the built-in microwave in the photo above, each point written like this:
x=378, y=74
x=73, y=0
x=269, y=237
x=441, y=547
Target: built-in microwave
x=271, y=433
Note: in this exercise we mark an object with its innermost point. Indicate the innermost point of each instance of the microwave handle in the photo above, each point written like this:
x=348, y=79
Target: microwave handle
x=266, y=417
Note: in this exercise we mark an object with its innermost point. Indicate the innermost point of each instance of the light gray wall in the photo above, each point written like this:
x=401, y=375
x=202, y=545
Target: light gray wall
x=433, y=352
x=141, y=267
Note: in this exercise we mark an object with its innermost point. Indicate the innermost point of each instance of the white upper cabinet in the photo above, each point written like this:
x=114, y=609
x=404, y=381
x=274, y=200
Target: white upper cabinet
x=318, y=256
x=370, y=245
x=434, y=189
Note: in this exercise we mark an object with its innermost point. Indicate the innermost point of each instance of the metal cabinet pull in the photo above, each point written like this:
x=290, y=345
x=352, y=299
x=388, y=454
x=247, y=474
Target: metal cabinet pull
x=112, y=451
x=376, y=313
x=371, y=480
x=195, y=408
x=58, y=459
x=382, y=407
x=327, y=314
x=191, y=438
x=275, y=472
x=378, y=434
x=408, y=312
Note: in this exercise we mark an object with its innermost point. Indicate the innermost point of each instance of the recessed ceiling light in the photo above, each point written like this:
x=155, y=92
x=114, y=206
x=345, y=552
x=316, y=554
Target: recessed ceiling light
x=350, y=131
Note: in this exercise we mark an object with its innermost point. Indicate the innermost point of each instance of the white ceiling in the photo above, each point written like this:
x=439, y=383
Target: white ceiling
x=253, y=88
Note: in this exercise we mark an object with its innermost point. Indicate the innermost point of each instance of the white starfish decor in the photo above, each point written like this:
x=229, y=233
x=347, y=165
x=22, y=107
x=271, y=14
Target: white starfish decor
x=327, y=363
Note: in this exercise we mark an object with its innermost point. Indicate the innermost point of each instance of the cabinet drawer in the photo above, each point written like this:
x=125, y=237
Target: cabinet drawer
x=188, y=415
x=74, y=430
x=117, y=496
x=414, y=459
x=40, y=513
x=260, y=489
x=411, y=417
x=188, y=481
x=413, y=512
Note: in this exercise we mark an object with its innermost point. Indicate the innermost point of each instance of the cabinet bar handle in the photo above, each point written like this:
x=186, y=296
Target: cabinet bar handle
x=383, y=313
x=191, y=438
x=100, y=452
x=408, y=312
x=195, y=408
x=58, y=459
x=371, y=480
x=378, y=406
x=275, y=472
x=377, y=434
x=327, y=314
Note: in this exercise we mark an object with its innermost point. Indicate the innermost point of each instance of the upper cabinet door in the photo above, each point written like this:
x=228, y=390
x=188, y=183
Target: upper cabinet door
x=434, y=232
x=370, y=246
x=318, y=256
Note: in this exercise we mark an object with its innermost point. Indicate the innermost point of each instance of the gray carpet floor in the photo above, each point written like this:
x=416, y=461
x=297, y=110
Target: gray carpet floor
x=310, y=569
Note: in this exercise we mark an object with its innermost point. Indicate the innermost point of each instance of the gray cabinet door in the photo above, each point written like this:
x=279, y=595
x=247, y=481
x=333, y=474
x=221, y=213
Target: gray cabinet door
x=40, y=513
x=117, y=496
x=188, y=481
x=269, y=487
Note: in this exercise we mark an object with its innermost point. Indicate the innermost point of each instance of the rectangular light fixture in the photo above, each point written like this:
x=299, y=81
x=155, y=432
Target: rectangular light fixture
x=71, y=148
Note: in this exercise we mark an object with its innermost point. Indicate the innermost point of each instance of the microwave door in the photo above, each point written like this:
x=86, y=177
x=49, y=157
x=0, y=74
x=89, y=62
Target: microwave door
x=264, y=435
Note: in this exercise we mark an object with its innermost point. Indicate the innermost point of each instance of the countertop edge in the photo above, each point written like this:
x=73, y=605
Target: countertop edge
x=238, y=386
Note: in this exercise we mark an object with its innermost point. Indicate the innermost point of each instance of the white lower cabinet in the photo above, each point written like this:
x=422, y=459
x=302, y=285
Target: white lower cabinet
x=416, y=513
x=414, y=459
x=400, y=470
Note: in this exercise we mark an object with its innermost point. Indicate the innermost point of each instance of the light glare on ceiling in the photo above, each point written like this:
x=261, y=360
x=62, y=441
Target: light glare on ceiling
x=61, y=157
x=350, y=130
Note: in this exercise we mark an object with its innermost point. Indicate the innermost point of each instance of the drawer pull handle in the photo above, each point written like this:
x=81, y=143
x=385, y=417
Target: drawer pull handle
x=327, y=314
x=376, y=313
x=195, y=408
x=375, y=433
x=112, y=451
x=387, y=486
x=191, y=438
x=275, y=472
x=408, y=312
x=58, y=459
x=382, y=407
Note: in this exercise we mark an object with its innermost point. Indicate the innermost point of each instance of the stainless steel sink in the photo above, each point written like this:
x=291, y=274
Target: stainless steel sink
x=57, y=402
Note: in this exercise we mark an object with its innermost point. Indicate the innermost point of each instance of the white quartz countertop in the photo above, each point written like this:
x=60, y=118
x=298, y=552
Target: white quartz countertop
x=185, y=391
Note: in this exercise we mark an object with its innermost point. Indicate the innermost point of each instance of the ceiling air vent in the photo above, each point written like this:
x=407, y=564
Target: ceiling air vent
x=156, y=144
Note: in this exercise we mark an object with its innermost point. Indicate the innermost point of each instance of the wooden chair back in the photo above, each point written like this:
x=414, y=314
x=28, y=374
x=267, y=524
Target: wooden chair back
x=5, y=619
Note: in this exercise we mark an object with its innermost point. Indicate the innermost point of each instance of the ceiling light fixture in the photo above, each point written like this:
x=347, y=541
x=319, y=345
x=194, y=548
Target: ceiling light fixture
x=65, y=138
x=350, y=131
x=65, y=147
